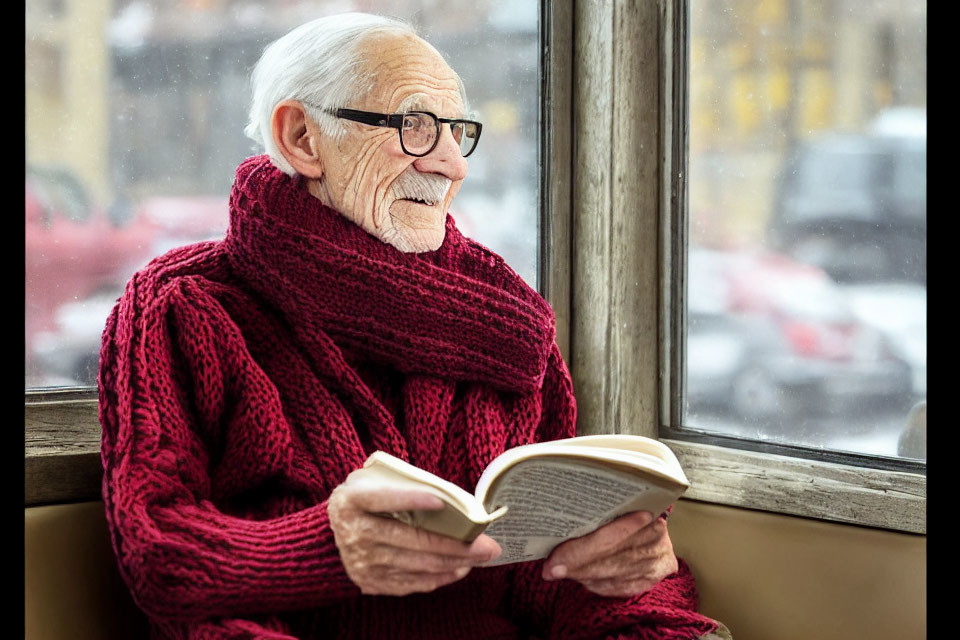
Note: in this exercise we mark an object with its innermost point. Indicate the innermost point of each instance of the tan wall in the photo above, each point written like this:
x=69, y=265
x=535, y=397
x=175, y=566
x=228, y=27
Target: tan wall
x=72, y=588
x=774, y=577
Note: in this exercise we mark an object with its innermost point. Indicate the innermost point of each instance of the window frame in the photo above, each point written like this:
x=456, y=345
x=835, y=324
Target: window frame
x=61, y=446
x=611, y=263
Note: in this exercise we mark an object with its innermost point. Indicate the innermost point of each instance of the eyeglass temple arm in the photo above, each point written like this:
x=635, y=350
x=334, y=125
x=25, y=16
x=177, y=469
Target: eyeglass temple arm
x=364, y=117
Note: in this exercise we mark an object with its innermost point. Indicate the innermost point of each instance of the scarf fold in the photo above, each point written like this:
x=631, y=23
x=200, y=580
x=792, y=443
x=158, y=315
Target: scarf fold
x=458, y=312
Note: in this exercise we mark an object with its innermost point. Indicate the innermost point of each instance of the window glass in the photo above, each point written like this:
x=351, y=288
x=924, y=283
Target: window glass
x=806, y=269
x=135, y=112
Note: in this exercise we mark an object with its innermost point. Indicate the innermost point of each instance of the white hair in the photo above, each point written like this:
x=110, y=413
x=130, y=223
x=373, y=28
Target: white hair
x=320, y=64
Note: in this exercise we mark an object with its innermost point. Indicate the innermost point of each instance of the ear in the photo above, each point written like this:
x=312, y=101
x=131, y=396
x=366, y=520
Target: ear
x=293, y=135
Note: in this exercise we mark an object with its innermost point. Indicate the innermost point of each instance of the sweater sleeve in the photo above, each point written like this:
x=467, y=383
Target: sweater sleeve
x=167, y=421
x=565, y=609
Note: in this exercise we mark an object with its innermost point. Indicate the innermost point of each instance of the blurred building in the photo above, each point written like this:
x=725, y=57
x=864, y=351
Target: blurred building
x=156, y=92
x=66, y=79
x=765, y=74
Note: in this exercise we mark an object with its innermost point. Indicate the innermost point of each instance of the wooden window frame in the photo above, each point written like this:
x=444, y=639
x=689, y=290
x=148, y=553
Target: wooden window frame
x=611, y=263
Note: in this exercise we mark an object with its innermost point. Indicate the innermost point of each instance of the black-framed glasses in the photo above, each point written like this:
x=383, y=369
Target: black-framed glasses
x=419, y=130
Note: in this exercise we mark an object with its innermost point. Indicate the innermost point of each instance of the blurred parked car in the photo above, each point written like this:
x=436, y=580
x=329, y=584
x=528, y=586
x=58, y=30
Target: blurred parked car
x=768, y=338
x=855, y=204
x=78, y=256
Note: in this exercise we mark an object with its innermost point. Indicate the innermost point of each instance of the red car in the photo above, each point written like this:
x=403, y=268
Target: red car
x=770, y=339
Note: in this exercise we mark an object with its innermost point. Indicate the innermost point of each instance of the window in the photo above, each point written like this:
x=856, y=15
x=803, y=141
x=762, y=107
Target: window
x=161, y=89
x=800, y=242
x=806, y=266
x=636, y=126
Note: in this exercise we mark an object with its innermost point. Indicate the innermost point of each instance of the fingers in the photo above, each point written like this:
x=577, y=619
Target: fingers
x=363, y=508
x=633, y=565
x=620, y=587
x=386, y=570
x=396, y=544
x=637, y=555
x=650, y=573
x=486, y=547
x=385, y=556
x=601, y=543
x=399, y=559
x=375, y=530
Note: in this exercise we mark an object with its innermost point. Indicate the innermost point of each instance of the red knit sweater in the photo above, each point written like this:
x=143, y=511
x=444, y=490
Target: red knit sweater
x=242, y=380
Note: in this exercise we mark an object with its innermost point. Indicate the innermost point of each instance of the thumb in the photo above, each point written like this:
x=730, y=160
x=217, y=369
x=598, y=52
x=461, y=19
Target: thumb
x=376, y=498
x=484, y=545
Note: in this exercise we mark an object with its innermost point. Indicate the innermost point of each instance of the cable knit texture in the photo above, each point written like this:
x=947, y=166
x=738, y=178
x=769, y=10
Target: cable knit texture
x=242, y=380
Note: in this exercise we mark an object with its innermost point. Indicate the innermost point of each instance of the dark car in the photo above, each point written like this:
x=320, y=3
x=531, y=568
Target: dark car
x=769, y=338
x=855, y=205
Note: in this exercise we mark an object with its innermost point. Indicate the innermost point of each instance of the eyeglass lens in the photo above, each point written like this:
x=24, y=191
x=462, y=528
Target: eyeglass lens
x=420, y=130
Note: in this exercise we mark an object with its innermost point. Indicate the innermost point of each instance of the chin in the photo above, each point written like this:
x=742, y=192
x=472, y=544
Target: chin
x=417, y=240
x=415, y=228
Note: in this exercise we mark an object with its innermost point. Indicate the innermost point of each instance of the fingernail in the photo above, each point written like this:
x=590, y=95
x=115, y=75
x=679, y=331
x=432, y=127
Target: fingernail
x=462, y=571
x=558, y=572
x=480, y=555
x=485, y=555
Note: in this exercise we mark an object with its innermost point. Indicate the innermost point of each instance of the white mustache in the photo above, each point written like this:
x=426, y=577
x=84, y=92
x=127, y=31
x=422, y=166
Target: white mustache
x=426, y=187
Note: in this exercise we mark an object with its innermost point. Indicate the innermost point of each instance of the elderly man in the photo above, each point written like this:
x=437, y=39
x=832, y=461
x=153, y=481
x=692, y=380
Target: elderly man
x=242, y=381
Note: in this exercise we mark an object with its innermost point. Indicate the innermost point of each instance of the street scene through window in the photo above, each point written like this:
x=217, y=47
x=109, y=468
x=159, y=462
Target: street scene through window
x=806, y=317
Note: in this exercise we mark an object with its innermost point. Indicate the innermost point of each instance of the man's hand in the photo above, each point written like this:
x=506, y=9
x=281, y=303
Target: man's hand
x=386, y=557
x=624, y=558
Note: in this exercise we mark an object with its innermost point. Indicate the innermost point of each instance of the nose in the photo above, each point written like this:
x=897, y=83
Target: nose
x=445, y=159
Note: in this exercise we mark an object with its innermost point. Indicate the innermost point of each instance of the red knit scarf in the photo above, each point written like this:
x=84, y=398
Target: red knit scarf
x=458, y=312
x=455, y=315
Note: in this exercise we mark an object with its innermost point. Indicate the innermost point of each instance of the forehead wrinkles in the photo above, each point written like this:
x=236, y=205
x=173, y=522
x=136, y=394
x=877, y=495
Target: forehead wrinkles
x=402, y=67
x=445, y=104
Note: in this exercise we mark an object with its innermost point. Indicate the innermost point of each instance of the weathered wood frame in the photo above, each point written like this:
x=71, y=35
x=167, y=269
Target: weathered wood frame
x=613, y=151
x=556, y=162
x=61, y=447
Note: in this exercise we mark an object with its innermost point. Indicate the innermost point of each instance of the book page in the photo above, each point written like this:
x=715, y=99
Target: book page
x=645, y=454
x=550, y=500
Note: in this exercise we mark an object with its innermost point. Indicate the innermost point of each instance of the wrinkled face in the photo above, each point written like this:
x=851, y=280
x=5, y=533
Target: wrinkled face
x=367, y=177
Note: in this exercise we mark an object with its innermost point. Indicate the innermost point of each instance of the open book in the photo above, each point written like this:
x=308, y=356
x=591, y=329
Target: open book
x=532, y=498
